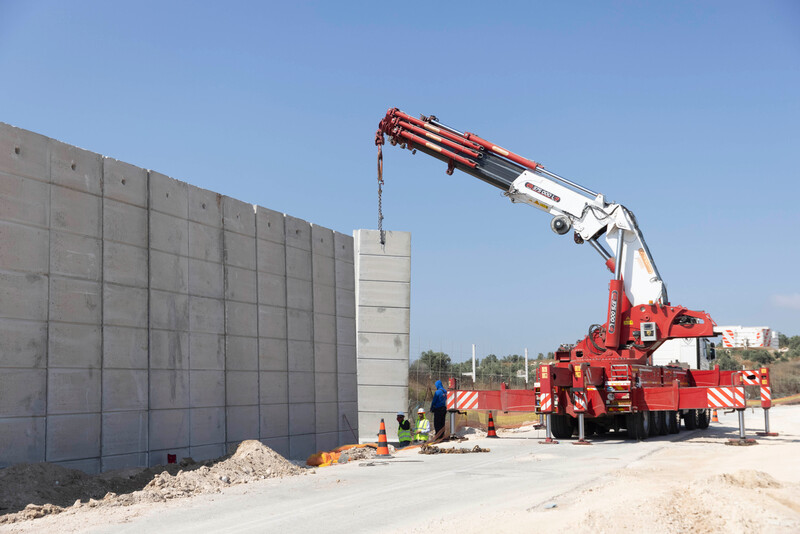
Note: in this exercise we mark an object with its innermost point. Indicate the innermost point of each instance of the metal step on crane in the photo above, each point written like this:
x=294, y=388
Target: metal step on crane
x=607, y=380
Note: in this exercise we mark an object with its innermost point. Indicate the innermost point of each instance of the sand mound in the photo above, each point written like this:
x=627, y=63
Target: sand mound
x=747, y=478
x=28, y=491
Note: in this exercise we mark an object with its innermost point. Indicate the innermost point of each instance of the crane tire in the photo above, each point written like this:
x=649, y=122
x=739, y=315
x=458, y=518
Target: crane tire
x=674, y=422
x=703, y=418
x=562, y=426
x=663, y=423
x=690, y=419
x=638, y=425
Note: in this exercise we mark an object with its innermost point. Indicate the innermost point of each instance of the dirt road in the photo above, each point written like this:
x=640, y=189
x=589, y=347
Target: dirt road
x=677, y=483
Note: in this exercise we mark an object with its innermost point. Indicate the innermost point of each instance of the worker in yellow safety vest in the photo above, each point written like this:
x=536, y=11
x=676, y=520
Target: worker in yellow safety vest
x=423, y=429
x=403, y=430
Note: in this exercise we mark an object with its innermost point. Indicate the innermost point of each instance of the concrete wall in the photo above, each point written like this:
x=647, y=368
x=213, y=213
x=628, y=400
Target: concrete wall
x=383, y=297
x=141, y=316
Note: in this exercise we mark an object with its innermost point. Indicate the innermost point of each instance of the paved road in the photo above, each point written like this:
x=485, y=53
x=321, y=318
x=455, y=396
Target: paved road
x=402, y=493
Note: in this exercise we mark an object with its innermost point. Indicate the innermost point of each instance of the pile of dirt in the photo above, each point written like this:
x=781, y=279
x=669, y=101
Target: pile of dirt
x=433, y=449
x=28, y=491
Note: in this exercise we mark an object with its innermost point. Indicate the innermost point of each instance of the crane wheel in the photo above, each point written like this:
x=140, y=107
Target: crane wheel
x=703, y=418
x=638, y=425
x=673, y=422
x=690, y=419
x=662, y=424
x=562, y=426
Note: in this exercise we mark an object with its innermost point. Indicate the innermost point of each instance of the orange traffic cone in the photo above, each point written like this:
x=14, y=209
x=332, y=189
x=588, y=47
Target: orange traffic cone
x=383, y=445
x=491, y=433
x=714, y=418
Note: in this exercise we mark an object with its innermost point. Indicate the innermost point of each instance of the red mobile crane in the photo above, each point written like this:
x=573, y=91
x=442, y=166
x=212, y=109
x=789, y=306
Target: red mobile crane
x=607, y=380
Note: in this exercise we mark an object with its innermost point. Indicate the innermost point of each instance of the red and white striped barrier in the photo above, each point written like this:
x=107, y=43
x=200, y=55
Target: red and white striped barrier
x=579, y=398
x=462, y=400
x=545, y=402
x=725, y=397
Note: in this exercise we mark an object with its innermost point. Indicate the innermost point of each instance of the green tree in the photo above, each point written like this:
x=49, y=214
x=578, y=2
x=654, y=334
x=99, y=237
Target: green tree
x=436, y=362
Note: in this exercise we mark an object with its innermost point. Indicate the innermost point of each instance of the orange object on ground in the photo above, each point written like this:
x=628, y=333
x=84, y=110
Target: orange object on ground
x=383, y=445
x=714, y=418
x=491, y=433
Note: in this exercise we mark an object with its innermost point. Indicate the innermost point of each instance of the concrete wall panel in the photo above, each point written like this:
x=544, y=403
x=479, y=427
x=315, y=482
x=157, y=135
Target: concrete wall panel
x=73, y=391
x=24, y=343
x=384, y=320
x=169, y=234
x=273, y=354
x=397, y=243
x=75, y=212
x=298, y=233
x=23, y=296
x=124, y=182
x=125, y=389
x=169, y=389
x=383, y=372
x=240, y=250
x=124, y=306
x=242, y=353
x=240, y=285
x=24, y=153
x=74, y=345
x=274, y=420
x=238, y=216
x=208, y=426
x=22, y=392
x=207, y=315
x=298, y=263
x=123, y=461
x=242, y=423
x=168, y=195
x=389, y=294
x=74, y=301
x=22, y=440
x=169, y=311
x=325, y=387
x=33, y=256
x=325, y=357
x=169, y=349
x=207, y=351
x=302, y=418
x=24, y=200
x=168, y=429
x=75, y=168
x=205, y=242
x=302, y=446
x=271, y=289
x=207, y=389
x=274, y=387
x=301, y=356
x=125, y=348
x=241, y=319
x=206, y=279
x=327, y=414
x=271, y=257
x=124, y=432
x=383, y=346
x=270, y=225
x=301, y=387
x=125, y=264
x=72, y=437
x=241, y=388
x=205, y=207
x=123, y=223
x=271, y=321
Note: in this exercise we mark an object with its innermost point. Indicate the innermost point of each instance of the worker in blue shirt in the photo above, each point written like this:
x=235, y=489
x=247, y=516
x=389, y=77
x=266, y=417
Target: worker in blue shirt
x=439, y=409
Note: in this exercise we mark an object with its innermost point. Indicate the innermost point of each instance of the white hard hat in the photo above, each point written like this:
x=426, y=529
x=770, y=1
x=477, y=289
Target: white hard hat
x=420, y=411
x=401, y=414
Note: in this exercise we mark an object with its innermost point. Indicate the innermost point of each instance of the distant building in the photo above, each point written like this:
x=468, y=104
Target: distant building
x=748, y=337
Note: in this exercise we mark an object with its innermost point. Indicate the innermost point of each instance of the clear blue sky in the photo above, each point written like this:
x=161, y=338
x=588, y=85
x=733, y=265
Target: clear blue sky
x=686, y=112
